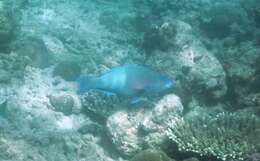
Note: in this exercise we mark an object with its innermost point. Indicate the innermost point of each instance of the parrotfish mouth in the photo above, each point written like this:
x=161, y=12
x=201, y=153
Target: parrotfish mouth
x=169, y=84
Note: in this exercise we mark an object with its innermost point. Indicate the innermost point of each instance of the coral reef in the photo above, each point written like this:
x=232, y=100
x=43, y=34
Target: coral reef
x=210, y=49
x=225, y=136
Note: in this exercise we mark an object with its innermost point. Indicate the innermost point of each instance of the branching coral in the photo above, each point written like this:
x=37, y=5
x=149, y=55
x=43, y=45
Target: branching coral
x=226, y=136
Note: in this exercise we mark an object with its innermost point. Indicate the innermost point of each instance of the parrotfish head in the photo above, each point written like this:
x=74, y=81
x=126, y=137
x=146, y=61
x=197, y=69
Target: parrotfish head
x=162, y=86
x=168, y=84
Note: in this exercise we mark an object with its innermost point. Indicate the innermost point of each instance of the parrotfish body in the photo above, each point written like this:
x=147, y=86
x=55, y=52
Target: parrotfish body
x=127, y=80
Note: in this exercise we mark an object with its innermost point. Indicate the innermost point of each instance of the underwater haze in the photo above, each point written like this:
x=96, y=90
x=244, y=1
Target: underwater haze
x=129, y=80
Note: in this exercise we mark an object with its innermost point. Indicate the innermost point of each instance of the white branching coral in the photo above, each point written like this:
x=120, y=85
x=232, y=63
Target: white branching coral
x=225, y=136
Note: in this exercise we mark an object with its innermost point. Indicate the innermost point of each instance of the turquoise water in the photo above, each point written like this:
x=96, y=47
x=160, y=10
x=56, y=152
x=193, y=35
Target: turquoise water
x=196, y=96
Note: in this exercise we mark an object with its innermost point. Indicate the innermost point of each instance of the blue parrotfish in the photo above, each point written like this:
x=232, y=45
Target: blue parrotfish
x=131, y=80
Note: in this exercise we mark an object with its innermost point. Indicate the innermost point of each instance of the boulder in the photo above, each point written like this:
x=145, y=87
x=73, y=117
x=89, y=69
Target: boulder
x=188, y=61
x=33, y=48
x=101, y=106
x=62, y=102
x=124, y=133
x=159, y=38
x=69, y=71
x=132, y=131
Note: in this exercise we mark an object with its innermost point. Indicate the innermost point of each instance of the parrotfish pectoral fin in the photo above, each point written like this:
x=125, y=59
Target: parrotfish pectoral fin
x=136, y=100
x=106, y=93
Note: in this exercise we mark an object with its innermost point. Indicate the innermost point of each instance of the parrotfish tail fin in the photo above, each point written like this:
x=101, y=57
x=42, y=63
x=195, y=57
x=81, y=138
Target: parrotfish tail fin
x=85, y=83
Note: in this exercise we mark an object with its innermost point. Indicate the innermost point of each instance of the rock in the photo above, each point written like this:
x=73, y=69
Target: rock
x=166, y=109
x=101, y=106
x=159, y=38
x=5, y=92
x=3, y=104
x=67, y=148
x=217, y=21
x=151, y=155
x=240, y=70
x=89, y=149
x=69, y=71
x=35, y=131
x=30, y=112
x=5, y=76
x=10, y=17
x=191, y=159
x=251, y=100
x=257, y=16
x=240, y=64
x=196, y=109
x=124, y=133
x=6, y=26
x=35, y=49
x=189, y=62
x=254, y=157
x=11, y=66
x=19, y=150
x=91, y=128
x=62, y=102
x=109, y=20
x=133, y=130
